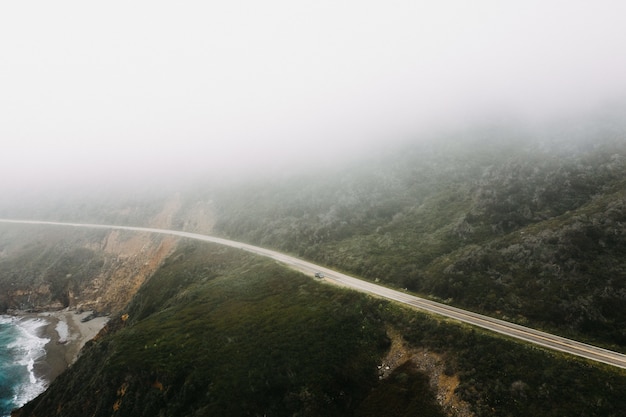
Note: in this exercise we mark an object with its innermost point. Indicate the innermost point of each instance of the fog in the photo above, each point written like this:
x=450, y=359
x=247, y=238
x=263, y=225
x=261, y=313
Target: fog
x=112, y=92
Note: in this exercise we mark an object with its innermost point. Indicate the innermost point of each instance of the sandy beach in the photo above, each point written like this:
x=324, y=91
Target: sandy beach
x=67, y=334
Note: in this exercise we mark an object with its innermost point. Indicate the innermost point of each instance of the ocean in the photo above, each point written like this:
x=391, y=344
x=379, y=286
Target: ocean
x=20, y=347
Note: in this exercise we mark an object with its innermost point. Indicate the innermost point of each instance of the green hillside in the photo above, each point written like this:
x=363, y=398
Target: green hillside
x=217, y=331
x=523, y=229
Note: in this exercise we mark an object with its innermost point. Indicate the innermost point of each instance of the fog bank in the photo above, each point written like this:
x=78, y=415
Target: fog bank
x=124, y=92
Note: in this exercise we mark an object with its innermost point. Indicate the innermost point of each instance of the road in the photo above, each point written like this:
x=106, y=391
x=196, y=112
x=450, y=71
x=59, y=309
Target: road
x=513, y=330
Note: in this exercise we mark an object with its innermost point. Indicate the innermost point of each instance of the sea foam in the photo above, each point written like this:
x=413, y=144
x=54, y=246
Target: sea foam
x=27, y=348
x=63, y=331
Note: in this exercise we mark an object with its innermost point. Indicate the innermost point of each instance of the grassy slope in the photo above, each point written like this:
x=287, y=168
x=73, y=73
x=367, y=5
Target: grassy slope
x=220, y=332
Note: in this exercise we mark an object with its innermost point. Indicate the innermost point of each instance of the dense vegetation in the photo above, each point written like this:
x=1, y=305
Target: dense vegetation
x=220, y=332
x=523, y=228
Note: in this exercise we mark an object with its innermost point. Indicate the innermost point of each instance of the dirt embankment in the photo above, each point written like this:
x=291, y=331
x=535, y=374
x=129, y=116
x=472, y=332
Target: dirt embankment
x=433, y=365
x=133, y=257
x=130, y=258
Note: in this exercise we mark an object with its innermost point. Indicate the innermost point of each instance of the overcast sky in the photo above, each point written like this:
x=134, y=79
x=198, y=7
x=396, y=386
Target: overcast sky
x=115, y=89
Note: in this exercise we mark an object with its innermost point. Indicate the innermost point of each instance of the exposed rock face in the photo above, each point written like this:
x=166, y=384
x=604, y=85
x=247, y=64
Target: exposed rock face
x=130, y=258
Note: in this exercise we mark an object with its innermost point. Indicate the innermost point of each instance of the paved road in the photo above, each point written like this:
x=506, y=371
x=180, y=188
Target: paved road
x=509, y=329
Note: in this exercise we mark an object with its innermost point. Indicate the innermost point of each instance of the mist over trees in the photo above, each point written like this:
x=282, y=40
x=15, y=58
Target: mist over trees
x=527, y=229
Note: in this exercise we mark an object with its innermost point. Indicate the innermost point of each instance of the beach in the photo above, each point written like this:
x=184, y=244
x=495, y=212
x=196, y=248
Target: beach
x=68, y=334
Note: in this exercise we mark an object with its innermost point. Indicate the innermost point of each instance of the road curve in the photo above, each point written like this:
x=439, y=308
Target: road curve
x=527, y=334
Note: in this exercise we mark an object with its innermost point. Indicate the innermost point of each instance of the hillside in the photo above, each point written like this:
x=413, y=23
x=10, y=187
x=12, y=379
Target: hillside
x=527, y=230
x=217, y=331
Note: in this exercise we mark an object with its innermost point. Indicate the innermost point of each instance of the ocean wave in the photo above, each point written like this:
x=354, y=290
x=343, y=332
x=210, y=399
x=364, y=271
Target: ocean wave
x=26, y=349
x=7, y=319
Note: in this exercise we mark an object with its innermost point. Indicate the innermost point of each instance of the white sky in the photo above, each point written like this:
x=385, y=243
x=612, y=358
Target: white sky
x=123, y=89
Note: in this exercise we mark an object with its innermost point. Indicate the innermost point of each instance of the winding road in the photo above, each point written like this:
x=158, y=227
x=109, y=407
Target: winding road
x=516, y=331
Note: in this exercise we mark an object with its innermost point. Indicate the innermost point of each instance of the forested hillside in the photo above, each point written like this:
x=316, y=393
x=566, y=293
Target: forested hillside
x=528, y=227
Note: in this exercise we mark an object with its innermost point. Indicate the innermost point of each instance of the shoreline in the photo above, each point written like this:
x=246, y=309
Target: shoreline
x=67, y=335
